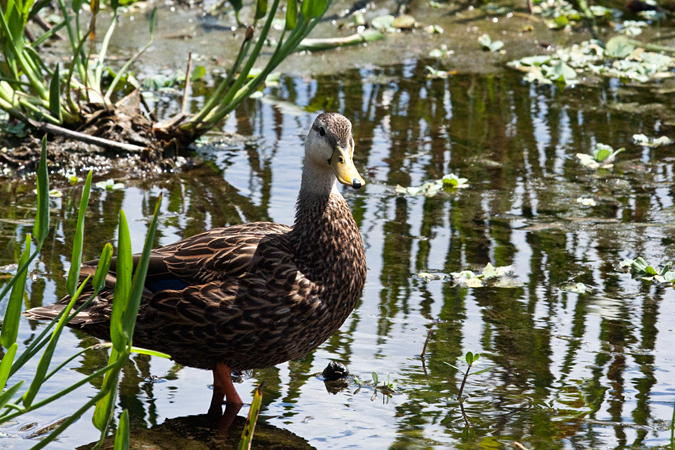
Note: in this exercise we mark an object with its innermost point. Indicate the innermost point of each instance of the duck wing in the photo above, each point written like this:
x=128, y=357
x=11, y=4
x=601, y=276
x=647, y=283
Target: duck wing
x=218, y=254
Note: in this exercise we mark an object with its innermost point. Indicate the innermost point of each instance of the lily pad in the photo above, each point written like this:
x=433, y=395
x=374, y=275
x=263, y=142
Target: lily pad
x=384, y=23
x=404, y=22
x=618, y=47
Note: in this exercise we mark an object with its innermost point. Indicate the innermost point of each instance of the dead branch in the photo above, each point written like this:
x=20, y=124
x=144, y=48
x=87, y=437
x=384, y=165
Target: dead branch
x=101, y=142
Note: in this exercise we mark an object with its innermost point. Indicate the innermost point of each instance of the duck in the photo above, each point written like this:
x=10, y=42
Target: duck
x=252, y=295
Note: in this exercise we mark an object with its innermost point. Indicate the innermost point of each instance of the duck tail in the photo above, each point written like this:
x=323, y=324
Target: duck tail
x=51, y=311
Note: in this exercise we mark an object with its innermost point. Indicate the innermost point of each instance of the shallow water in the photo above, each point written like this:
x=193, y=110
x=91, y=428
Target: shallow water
x=568, y=370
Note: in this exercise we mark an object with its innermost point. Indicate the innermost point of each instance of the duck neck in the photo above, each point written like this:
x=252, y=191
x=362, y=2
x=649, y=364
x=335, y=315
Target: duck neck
x=324, y=227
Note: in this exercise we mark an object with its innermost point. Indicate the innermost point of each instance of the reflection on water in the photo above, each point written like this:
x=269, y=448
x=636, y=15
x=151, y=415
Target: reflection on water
x=569, y=370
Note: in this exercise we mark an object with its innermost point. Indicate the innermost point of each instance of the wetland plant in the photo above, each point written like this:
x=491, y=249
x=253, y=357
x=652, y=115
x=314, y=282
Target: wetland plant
x=32, y=91
x=56, y=99
x=603, y=157
x=470, y=359
x=126, y=308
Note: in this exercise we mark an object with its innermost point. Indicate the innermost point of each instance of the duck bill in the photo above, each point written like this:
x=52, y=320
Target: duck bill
x=343, y=166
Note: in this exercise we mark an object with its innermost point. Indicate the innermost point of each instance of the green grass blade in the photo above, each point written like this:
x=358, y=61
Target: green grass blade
x=6, y=364
x=138, y=350
x=123, y=272
x=125, y=67
x=41, y=227
x=54, y=94
x=46, y=358
x=54, y=397
x=37, y=7
x=313, y=8
x=251, y=420
x=291, y=14
x=76, y=260
x=10, y=326
x=260, y=9
x=6, y=396
x=48, y=34
x=102, y=269
x=129, y=320
x=105, y=405
x=122, y=435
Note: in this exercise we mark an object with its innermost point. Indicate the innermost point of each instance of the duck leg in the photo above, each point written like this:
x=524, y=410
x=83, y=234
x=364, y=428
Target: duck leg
x=223, y=389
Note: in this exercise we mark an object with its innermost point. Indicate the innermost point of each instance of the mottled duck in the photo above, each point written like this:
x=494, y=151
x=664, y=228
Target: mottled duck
x=253, y=295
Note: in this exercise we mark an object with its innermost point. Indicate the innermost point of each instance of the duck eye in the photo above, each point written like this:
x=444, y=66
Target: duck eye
x=322, y=132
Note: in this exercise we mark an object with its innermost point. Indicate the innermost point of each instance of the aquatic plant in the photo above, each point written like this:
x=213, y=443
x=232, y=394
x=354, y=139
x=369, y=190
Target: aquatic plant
x=470, y=359
x=619, y=57
x=52, y=97
x=34, y=92
x=126, y=308
x=431, y=188
x=238, y=85
x=603, y=157
x=642, y=269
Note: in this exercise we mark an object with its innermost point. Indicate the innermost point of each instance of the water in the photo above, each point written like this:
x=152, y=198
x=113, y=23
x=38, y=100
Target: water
x=567, y=370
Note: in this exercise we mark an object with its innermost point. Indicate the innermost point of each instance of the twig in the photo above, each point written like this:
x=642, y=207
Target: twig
x=187, y=84
x=105, y=143
x=147, y=108
x=461, y=388
x=426, y=343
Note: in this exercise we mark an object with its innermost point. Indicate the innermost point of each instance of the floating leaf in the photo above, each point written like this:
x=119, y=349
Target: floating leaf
x=490, y=272
x=109, y=185
x=384, y=23
x=404, y=22
x=618, y=47
x=578, y=288
x=454, y=181
x=562, y=72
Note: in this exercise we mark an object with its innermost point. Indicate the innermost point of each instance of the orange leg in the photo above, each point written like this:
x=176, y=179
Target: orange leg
x=223, y=389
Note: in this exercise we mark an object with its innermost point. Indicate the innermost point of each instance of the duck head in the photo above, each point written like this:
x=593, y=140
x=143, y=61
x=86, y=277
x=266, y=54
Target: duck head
x=330, y=145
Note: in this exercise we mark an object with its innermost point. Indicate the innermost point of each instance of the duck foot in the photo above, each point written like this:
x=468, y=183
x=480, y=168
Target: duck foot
x=224, y=392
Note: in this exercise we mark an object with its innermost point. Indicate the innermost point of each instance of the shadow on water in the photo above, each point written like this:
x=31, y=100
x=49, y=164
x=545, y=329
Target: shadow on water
x=569, y=370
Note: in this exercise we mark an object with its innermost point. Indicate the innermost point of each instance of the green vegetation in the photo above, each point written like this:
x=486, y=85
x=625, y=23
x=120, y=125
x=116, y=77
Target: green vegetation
x=387, y=388
x=489, y=276
x=620, y=57
x=603, y=157
x=641, y=268
x=238, y=86
x=252, y=419
x=34, y=92
x=470, y=359
x=488, y=44
x=431, y=188
x=126, y=302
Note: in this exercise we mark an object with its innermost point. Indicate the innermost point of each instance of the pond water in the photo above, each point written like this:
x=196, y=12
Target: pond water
x=567, y=370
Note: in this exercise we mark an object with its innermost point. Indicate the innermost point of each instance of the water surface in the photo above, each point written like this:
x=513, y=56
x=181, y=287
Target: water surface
x=568, y=370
